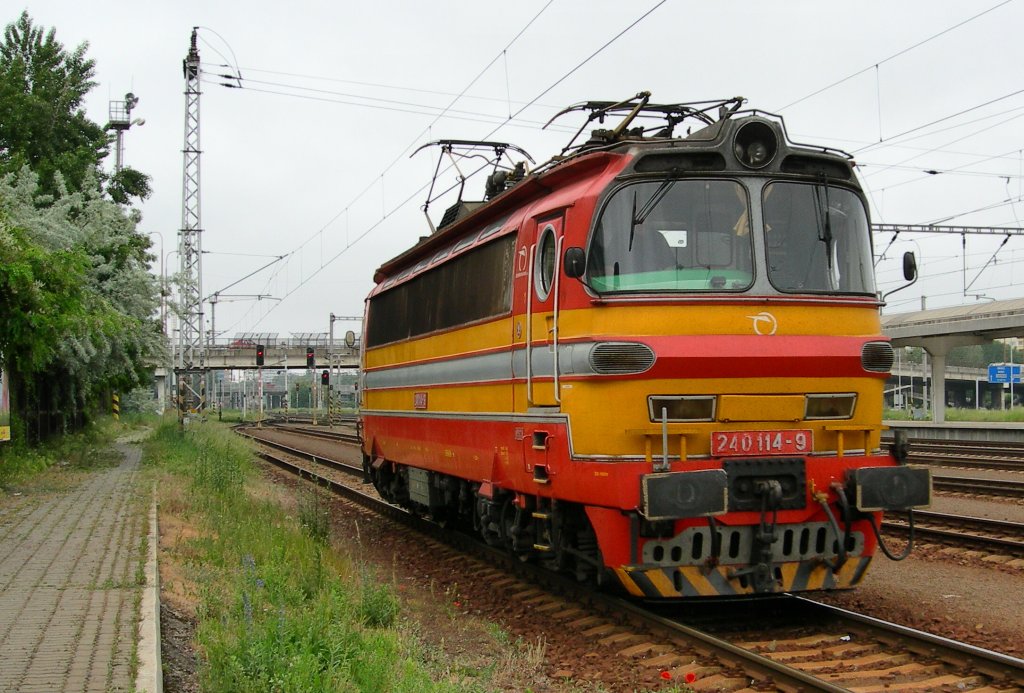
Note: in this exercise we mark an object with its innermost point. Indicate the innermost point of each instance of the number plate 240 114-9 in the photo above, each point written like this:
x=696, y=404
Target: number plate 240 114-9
x=789, y=442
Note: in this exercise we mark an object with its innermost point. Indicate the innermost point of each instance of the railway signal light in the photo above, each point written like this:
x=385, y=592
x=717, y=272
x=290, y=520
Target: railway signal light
x=259, y=354
x=310, y=358
x=325, y=378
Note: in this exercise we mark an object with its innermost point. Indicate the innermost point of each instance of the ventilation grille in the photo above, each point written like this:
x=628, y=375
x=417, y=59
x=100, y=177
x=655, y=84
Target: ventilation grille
x=877, y=357
x=798, y=542
x=620, y=358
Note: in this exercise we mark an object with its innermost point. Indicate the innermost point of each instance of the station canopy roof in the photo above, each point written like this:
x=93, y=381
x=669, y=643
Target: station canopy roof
x=254, y=338
x=310, y=338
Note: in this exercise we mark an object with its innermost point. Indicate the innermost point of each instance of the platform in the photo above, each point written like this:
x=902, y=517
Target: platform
x=71, y=574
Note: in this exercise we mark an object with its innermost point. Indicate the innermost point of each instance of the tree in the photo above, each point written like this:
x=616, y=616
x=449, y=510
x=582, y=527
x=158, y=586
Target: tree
x=76, y=296
x=128, y=183
x=42, y=123
x=78, y=301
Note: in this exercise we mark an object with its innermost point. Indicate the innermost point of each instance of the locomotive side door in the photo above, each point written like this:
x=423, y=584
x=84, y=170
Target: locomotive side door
x=541, y=344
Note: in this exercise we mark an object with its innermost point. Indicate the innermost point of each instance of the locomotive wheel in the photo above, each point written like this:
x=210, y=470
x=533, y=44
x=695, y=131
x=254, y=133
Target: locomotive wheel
x=488, y=521
x=587, y=555
x=367, y=470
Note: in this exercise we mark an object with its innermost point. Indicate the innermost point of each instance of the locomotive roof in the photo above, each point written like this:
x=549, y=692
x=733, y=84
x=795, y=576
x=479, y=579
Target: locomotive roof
x=649, y=150
x=534, y=185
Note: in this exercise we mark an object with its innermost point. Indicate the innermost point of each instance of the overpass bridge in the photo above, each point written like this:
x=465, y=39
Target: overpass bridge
x=283, y=356
x=941, y=329
x=287, y=353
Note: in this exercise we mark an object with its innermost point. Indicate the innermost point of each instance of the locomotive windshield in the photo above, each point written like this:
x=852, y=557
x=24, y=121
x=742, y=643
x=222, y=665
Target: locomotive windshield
x=695, y=235
x=673, y=235
x=817, y=238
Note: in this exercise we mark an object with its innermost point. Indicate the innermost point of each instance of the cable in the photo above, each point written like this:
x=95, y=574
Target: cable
x=234, y=59
x=507, y=121
x=376, y=85
x=934, y=172
x=881, y=542
x=585, y=61
x=939, y=149
x=224, y=252
x=956, y=171
x=394, y=104
x=416, y=139
x=986, y=208
x=893, y=56
x=939, y=120
x=480, y=118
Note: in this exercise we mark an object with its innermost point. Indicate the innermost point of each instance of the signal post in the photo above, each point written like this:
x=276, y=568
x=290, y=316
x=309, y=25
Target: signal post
x=260, y=352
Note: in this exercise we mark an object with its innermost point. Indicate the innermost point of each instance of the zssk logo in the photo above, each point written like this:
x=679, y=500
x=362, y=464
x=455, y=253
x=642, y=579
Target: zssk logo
x=764, y=323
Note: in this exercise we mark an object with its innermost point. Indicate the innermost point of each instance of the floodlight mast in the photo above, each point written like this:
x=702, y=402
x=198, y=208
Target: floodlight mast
x=190, y=370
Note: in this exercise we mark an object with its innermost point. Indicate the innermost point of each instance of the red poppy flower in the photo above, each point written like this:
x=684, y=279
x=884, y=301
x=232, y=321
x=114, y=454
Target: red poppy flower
x=665, y=675
x=690, y=677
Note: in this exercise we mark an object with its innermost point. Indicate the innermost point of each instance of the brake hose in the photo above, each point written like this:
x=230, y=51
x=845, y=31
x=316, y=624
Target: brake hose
x=841, y=557
x=910, y=537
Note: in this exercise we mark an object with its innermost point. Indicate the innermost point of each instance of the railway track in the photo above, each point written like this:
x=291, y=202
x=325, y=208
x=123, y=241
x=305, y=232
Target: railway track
x=992, y=536
x=969, y=454
x=322, y=420
x=1006, y=488
x=341, y=436
x=810, y=647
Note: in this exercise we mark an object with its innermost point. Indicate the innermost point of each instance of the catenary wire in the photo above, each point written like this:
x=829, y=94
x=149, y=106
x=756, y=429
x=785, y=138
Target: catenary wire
x=894, y=56
x=401, y=155
x=374, y=85
x=531, y=102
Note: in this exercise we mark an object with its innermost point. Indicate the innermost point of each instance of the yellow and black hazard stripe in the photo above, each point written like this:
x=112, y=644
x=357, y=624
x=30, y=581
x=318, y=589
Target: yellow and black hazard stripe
x=116, y=406
x=697, y=581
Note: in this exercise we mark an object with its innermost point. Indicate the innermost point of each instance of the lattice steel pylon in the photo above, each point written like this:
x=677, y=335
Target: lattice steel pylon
x=190, y=370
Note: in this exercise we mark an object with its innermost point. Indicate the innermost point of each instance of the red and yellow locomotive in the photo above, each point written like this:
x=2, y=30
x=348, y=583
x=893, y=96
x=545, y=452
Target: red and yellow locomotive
x=653, y=357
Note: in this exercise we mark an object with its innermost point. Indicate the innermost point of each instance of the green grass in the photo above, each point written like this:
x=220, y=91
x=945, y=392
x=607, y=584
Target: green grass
x=86, y=449
x=279, y=609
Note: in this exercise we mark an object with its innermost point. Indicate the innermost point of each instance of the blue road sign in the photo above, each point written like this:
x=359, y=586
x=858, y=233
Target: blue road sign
x=1004, y=372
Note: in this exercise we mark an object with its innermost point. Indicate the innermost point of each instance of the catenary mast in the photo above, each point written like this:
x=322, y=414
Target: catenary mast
x=191, y=356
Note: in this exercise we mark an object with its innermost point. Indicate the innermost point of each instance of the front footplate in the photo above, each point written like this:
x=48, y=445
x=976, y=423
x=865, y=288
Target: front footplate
x=698, y=581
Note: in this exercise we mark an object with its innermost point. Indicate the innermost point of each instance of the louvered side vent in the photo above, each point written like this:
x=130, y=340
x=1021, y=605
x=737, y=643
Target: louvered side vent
x=621, y=358
x=877, y=357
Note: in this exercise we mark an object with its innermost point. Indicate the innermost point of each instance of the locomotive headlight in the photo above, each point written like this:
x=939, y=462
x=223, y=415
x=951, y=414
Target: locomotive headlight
x=755, y=144
x=830, y=406
x=681, y=407
x=757, y=154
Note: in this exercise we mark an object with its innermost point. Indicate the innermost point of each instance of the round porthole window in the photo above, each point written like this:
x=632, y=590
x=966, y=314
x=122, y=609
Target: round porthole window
x=544, y=268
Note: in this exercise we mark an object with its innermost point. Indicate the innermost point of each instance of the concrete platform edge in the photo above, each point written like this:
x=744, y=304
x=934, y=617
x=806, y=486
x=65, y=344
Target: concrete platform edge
x=149, y=678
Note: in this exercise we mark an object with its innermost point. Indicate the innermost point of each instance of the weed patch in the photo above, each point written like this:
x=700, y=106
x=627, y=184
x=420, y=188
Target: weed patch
x=278, y=609
x=84, y=450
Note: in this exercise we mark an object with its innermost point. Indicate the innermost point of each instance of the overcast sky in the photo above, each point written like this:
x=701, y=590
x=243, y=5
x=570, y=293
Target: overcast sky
x=310, y=159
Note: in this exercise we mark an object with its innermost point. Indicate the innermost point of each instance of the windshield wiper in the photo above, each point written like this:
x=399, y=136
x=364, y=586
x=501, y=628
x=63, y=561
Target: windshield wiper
x=655, y=199
x=825, y=231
